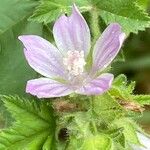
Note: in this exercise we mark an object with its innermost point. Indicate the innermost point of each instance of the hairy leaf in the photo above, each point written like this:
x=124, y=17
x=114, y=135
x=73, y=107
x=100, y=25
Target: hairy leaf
x=50, y=10
x=118, y=136
x=97, y=142
x=33, y=128
x=127, y=13
x=142, y=99
x=107, y=108
x=129, y=130
x=121, y=89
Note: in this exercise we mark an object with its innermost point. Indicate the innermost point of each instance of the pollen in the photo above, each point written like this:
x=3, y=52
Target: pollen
x=74, y=62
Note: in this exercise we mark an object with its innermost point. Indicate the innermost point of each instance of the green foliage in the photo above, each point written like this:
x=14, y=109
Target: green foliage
x=100, y=124
x=127, y=13
x=13, y=12
x=92, y=122
x=107, y=108
x=5, y=116
x=121, y=89
x=143, y=3
x=96, y=142
x=50, y=10
x=129, y=130
x=117, y=137
x=33, y=128
x=14, y=69
x=142, y=99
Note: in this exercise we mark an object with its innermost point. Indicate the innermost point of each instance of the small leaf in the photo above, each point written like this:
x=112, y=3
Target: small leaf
x=33, y=128
x=121, y=88
x=117, y=136
x=107, y=108
x=129, y=131
x=142, y=99
x=97, y=142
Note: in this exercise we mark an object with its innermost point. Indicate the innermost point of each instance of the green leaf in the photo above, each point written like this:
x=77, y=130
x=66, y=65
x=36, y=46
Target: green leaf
x=143, y=3
x=97, y=142
x=13, y=12
x=117, y=136
x=127, y=13
x=121, y=88
x=107, y=108
x=130, y=131
x=49, y=10
x=34, y=125
x=142, y=99
x=5, y=117
x=14, y=69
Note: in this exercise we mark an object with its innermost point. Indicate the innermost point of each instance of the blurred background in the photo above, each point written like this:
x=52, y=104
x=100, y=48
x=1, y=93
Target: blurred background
x=137, y=65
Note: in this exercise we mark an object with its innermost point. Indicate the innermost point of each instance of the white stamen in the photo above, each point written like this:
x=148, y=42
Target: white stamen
x=74, y=62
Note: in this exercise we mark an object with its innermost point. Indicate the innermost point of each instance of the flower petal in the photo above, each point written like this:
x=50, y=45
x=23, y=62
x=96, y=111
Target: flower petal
x=97, y=86
x=42, y=56
x=72, y=33
x=107, y=47
x=46, y=88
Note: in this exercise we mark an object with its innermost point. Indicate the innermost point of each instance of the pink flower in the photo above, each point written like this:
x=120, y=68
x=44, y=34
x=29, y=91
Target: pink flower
x=63, y=67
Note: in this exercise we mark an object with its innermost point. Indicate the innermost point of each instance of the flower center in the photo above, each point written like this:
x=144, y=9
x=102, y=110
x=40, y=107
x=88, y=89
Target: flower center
x=74, y=62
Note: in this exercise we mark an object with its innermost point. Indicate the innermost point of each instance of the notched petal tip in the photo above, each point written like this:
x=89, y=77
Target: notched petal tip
x=75, y=9
x=72, y=32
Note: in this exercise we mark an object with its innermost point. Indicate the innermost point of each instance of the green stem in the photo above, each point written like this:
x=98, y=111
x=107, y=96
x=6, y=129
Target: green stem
x=94, y=127
x=92, y=111
x=95, y=24
x=95, y=34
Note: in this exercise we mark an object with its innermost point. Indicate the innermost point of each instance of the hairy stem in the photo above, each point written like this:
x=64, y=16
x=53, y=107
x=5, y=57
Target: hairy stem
x=95, y=24
x=92, y=110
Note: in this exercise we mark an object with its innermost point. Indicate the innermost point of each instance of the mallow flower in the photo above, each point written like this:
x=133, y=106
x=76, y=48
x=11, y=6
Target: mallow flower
x=63, y=66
